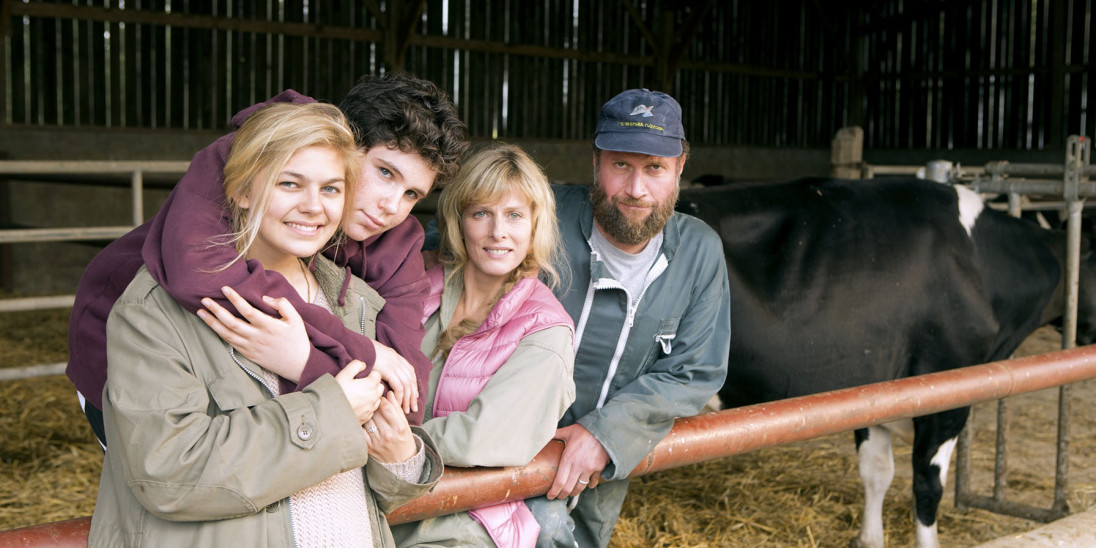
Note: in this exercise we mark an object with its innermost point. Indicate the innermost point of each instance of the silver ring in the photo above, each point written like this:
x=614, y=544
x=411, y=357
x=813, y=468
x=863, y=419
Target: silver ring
x=584, y=482
x=371, y=429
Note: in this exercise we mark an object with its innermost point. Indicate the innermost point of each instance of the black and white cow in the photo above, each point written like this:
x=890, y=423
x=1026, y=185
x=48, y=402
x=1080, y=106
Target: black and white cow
x=841, y=283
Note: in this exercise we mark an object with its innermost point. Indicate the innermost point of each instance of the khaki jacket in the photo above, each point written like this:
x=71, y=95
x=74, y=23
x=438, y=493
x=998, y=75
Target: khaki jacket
x=202, y=454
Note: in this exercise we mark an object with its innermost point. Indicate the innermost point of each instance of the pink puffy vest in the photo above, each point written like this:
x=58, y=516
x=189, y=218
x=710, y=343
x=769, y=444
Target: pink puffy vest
x=529, y=307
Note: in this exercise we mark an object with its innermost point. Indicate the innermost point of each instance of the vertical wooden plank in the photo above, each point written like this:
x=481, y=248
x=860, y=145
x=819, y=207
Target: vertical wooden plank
x=193, y=45
x=1007, y=127
x=116, y=96
x=521, y=76
x=544, y=76
x=937, y=135
x=223, y=95
x=1088, y=82
x=52, y=66
x=1071, y=100
x=34, y=73
x=5, y=54
x=17, y=59
x=90, y=62
x=135, y=77
x=66, y=88
x=158, y=68
x=37, y=54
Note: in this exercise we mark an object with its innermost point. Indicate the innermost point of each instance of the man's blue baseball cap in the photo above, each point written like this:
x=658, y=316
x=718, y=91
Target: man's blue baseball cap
x=641, y=121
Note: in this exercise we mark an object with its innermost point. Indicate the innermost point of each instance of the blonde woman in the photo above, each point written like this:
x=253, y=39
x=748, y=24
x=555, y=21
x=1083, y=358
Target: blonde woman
x=206, y=449
x=500, y=341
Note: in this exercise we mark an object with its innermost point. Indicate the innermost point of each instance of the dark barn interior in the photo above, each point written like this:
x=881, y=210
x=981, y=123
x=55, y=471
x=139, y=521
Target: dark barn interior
x=765, y=86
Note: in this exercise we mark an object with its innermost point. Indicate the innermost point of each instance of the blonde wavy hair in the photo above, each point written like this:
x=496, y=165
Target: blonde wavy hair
x=262, y=147
x=485, y=178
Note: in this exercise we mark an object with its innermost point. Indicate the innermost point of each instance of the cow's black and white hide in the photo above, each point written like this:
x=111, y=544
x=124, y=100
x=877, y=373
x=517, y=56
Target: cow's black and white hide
x=839, y=283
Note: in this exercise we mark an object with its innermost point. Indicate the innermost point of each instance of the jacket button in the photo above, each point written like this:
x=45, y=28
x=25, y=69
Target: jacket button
x=274, y=506
x=304, y=432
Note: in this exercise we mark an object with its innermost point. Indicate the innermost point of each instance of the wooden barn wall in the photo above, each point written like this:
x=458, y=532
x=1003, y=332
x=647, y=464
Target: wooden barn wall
x=515, y=68
x=984, y=74
x=970, y=74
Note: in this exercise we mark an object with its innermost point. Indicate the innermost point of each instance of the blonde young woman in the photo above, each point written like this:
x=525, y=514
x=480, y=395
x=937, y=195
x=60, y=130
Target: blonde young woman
x=500, y=341
x=205, y=449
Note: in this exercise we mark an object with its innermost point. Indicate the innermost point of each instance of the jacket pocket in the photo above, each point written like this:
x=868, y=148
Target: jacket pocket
x=235, y=393
x=667, y=332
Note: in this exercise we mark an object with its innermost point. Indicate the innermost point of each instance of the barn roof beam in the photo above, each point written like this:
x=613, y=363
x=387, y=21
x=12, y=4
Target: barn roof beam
x=237, y=24
x=403, y=39
x=671, y=47
x=402, y=16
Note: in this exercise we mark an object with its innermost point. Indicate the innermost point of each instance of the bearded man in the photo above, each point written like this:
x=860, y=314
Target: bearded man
x=649, y=296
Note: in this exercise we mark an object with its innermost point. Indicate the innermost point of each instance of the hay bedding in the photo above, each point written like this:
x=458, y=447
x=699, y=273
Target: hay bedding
x=806, y=494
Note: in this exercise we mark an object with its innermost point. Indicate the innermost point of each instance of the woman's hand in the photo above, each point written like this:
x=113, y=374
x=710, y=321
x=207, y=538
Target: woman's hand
x=389, y=436
x=364, y=394
x=400, y=376
x=280, y=345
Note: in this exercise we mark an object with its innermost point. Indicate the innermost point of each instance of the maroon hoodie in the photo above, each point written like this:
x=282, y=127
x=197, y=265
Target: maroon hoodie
x=175, y=245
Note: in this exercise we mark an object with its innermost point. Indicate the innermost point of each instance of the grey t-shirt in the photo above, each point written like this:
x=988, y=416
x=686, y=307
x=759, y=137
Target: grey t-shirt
x=628, y=269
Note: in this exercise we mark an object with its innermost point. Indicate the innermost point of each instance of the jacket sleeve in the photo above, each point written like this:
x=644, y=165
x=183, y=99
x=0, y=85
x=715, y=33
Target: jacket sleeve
x=391, y=263
x=676, y=385
x=516, y=413
x=390, y=491
x=184, y=463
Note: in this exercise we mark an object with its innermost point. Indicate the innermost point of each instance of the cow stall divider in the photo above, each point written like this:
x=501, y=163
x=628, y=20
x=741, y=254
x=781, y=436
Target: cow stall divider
x=1060, y=187
x=718, y=434
x=1073, y=186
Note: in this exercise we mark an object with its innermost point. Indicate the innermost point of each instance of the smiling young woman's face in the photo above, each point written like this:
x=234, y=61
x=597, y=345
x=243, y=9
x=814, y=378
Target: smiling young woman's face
x=306, y=205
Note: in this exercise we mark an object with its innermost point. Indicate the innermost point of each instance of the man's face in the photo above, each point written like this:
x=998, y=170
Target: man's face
x=392, y=182
x=633, y=196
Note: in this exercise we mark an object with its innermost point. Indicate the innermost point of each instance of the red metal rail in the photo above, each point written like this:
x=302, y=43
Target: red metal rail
x=714, y=435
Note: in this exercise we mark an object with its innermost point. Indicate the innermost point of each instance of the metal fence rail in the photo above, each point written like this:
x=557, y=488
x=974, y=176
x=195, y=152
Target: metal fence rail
x=716, y=435
x=136, y=170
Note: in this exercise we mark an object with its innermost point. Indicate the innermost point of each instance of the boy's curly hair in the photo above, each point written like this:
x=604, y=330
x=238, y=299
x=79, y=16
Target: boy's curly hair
x=410, y=114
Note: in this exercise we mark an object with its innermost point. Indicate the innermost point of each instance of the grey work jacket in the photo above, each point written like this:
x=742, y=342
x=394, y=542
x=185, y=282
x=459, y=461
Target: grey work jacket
x=637, y=369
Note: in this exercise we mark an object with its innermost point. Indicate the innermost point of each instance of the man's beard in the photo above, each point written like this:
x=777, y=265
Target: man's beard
x=622, y=229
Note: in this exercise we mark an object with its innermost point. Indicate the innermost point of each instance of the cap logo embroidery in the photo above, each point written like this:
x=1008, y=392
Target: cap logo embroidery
x=644, y=110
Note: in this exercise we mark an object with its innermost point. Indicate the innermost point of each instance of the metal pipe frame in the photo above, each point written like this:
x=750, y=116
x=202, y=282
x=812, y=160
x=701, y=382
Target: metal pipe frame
x=1074, y=187
x=136, y=171
x=85, y=167
x=721, y=434
x=1006, y=168
x=36, y=303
